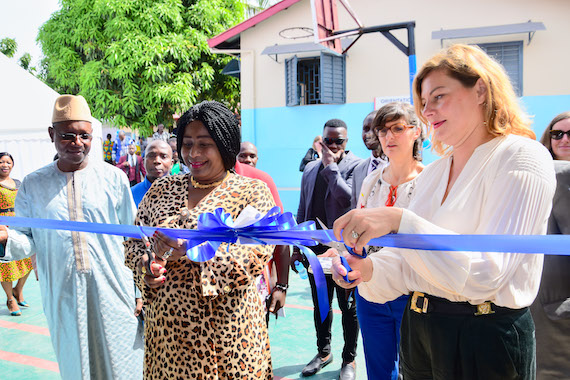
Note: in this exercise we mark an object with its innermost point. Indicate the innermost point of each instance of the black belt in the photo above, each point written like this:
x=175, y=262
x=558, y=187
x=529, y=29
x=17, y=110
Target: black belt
x=425, y=303
x=10, y=209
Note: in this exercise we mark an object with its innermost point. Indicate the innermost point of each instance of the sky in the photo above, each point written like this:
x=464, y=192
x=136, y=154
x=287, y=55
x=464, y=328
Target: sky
x=21, y=20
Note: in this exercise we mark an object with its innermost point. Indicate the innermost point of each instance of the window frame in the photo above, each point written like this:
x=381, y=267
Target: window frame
x=516, y=82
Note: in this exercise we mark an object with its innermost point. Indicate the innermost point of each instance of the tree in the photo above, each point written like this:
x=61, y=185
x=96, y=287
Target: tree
x=8, y=47
x=25, y=61
x=139, y=61
x=253, y=7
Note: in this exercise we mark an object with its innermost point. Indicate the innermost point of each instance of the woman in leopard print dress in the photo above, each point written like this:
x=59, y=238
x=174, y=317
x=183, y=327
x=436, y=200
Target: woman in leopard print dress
x=203, y=320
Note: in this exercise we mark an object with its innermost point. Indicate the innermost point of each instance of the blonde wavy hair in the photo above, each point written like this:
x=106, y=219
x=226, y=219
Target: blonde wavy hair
x=501, y=112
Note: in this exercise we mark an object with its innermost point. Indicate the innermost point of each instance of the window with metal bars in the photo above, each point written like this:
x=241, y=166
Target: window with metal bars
x=308, y=81
x=508, y=54
x=315, y=80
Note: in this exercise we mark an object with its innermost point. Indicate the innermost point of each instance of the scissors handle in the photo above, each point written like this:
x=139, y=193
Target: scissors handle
x=348, y=269
x=351, y=251
x=151, y=255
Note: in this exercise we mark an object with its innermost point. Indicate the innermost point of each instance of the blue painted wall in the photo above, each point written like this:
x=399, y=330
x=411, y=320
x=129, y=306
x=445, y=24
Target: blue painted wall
x=283, y=135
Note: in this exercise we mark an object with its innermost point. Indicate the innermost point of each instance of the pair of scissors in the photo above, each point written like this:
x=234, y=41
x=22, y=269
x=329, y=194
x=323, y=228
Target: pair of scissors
x=340, y=247
x=149, y=252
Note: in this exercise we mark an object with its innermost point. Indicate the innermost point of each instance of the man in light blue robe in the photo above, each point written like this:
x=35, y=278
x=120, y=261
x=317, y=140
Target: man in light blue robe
x=88, y=294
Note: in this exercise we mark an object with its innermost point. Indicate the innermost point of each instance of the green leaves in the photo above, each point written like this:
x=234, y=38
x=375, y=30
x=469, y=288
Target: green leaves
x=8, y=47
x=139, y=61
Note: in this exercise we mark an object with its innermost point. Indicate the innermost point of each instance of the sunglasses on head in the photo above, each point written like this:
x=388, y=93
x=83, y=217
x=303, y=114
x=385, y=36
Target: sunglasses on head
x=557, y=134
x=334, y=141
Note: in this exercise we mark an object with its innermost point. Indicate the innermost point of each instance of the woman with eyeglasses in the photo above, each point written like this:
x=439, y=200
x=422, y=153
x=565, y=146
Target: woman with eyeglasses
x=551, y=309
x=18, y=270
x=467, y=316
x=401, y=137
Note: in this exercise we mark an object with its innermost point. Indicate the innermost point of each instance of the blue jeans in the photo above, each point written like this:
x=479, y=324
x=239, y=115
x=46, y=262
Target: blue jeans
x=380, y=327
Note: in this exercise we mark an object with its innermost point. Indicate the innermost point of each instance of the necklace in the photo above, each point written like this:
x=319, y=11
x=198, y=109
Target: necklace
x=198, y=185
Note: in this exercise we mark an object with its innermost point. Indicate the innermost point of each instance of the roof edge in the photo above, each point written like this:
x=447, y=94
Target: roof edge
x=250, y=22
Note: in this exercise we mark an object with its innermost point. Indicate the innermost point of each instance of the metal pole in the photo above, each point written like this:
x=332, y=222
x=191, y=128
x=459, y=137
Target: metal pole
x=411, y=58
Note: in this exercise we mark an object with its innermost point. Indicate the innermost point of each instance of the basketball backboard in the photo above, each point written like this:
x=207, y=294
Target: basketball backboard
x=325, y=21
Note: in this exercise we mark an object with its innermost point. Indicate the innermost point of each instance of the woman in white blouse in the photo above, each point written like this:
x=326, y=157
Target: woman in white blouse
x=468, y=315
x=401, y=137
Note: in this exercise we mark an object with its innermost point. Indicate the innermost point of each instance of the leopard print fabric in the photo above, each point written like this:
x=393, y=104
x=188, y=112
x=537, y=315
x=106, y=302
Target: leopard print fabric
x=206, y=321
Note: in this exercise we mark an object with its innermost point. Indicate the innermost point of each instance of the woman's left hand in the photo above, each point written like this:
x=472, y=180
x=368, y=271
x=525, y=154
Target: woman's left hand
x=357, y=227
x=168, y=249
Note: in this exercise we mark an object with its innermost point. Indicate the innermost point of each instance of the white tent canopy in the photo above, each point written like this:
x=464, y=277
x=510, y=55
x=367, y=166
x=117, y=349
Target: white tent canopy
x=26, y=105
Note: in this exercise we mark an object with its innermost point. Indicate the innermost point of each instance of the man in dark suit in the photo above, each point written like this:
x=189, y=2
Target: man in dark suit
x=132, y=165
x=375, y=161
x=325, y=194
x=551, y=309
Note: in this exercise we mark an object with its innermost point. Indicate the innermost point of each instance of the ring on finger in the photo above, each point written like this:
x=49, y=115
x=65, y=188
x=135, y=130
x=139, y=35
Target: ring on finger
x=143, y=270
x=354, y=234
x=167, y=254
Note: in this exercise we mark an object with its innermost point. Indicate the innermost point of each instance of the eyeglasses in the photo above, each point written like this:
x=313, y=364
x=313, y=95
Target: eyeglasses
x=333, y=141
x=397, y=130
x=73, y=136
x=557, y=134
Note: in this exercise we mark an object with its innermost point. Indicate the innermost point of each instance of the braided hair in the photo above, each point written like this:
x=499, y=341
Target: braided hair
x=222, y=126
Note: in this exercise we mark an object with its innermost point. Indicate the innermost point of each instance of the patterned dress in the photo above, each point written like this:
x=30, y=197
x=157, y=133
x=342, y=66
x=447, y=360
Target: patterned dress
x=206, y=321
x=13, y=270
x=108, y=150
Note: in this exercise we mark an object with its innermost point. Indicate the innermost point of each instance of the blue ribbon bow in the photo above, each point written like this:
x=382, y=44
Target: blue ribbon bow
x=216, y=228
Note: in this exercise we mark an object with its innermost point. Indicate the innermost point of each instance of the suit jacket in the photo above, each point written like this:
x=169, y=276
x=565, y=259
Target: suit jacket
x=311, y=155
x=134, y=173
x=339, y=188
x=554, y=293
x=360, y=172
x=551, y=309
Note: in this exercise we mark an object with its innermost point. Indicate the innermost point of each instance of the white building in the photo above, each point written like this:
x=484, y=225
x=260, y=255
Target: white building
x=282, y=122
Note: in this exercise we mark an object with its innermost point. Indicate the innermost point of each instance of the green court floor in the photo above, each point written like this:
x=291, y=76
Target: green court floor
x=26, y=352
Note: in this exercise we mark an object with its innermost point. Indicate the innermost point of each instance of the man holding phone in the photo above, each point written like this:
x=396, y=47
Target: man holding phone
x=326, y=189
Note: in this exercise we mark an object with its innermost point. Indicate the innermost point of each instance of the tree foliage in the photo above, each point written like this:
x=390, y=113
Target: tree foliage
x=25, y=61
x=253, y=7
x=139, y=61
x=8, y=47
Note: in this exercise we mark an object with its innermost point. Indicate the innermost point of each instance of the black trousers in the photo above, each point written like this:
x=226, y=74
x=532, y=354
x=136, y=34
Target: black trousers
x=349, y=320
x=498, y=346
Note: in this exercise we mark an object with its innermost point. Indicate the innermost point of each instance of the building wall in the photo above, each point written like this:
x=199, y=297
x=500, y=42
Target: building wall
x=376, y=68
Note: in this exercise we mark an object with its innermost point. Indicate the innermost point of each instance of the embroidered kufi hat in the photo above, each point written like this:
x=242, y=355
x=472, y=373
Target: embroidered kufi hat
x=71, y=108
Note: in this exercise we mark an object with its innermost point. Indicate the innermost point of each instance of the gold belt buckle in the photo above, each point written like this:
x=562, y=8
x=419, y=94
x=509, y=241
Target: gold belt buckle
x=414, y=305
x=484, y=308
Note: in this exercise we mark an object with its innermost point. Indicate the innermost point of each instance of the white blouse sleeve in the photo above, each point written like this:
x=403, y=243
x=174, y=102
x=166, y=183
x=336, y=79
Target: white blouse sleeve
x=518, y=203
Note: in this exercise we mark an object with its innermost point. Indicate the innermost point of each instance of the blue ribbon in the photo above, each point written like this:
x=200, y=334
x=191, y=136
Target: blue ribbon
x=282, y=229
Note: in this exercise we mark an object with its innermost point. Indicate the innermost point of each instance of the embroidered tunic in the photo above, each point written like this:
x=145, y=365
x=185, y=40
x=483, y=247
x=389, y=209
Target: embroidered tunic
x=88, y=293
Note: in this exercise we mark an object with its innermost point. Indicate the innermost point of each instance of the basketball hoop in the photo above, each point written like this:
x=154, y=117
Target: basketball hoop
x=296, y=32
